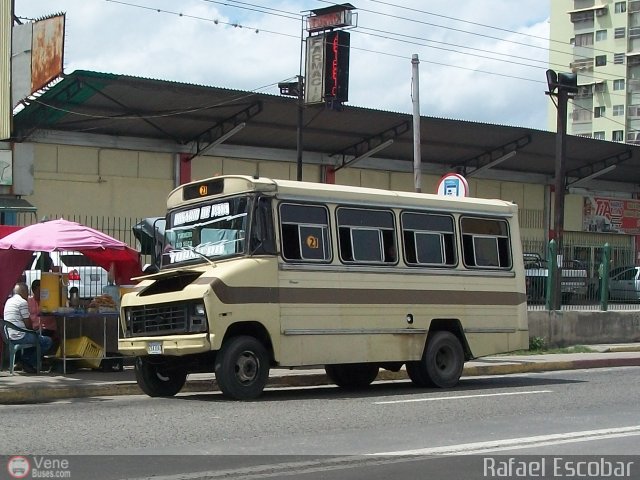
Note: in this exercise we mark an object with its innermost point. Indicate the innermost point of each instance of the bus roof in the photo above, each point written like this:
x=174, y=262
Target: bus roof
x=309, y=191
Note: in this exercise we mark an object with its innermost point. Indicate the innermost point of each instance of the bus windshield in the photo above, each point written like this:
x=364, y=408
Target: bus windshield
x=212, y=230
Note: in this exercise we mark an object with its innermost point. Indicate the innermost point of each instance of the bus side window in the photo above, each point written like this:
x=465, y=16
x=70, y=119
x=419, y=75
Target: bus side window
x=428, y=239
x=366, y=236
x=304, y=232
x=485, y=243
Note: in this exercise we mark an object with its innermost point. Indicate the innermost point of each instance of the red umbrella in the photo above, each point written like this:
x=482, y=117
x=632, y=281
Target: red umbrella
x=63, y=235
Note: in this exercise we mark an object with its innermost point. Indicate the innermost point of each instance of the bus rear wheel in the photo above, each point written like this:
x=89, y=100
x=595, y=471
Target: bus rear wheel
x=352, y=375
x=242, y=368
x=441, y=364
x=159, y=379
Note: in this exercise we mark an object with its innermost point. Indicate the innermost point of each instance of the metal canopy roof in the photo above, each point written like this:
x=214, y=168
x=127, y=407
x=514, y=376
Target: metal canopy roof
x=138, y=107
x=13, y=204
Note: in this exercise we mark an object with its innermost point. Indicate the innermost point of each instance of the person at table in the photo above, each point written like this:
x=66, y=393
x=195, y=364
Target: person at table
x=45, y=324
x=16, y=311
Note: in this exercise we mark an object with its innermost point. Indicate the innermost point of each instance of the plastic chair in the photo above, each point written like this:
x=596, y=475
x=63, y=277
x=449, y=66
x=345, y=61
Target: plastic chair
x=14, y=348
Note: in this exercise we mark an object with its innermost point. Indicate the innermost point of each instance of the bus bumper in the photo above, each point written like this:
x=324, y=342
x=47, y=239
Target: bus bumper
x=178, y=345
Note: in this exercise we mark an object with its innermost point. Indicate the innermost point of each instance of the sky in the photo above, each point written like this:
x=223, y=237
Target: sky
x=482, y=60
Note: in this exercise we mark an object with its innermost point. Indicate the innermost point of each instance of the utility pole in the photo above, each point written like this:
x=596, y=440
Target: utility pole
x=415, y=98
x=566, y=85
x=299, y=127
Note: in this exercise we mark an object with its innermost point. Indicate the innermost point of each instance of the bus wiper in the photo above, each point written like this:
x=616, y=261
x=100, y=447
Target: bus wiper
x=200, y=254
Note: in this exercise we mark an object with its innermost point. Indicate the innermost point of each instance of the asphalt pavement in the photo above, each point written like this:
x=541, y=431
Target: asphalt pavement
x=46, y=387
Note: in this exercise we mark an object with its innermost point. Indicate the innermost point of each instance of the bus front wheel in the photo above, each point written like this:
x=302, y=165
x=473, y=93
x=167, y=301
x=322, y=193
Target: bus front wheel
x=242, y=368
x=159, y=379
x=352, y=375
x=441, y=364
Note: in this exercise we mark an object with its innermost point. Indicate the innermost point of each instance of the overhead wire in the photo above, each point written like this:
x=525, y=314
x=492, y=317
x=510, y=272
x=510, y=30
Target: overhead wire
x=197, y=17
x=511, y=62
x=493, y=27
x=471, y=23
x=242, y=5
x=594, y=77
x=294, y=16
x=257, y=8
x=291, y=15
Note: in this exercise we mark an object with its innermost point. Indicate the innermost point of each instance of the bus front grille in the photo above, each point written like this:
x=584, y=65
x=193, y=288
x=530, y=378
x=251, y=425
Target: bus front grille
x=158, y=319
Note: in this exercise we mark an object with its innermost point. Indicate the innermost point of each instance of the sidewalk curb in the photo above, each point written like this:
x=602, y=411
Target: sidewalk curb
x=47, y=393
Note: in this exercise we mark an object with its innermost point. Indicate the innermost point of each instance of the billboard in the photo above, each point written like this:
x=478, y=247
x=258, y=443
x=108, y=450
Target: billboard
x=327, y=67
x=611, y=215
x=38, y=55
x=331, y=19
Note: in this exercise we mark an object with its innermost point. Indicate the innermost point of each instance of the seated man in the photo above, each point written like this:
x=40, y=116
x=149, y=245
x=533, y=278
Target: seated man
x=46, y=324
x=16, y=311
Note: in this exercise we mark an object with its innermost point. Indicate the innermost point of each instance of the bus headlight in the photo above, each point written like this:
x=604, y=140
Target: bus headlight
x=197, y=318
x=127, y=322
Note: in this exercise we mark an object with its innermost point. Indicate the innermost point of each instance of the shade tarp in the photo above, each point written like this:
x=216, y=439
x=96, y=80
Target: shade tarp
x=150, y=233
x=63, y=235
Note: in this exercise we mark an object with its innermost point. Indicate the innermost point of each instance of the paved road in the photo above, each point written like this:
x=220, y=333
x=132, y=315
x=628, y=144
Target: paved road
x=555, y=413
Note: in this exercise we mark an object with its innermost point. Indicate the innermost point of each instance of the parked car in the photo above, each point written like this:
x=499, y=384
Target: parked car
x=594, y=286
x=83, y=273
x=573, y=283
x=624, y=285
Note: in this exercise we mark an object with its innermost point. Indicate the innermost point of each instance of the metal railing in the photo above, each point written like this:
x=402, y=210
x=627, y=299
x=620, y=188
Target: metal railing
x=598, y=283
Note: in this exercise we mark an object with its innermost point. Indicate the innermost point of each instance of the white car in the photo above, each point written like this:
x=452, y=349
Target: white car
x=625, y=284
x=83, y=273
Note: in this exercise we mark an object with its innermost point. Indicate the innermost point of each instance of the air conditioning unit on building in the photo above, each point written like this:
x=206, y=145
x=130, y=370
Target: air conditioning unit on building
x=601, y=12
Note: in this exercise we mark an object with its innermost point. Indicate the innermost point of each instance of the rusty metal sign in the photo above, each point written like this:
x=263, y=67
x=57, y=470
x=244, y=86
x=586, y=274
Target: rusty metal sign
x=47, y=51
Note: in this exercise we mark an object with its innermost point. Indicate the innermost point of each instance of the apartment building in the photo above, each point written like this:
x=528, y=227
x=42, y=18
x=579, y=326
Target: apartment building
x=600, y=41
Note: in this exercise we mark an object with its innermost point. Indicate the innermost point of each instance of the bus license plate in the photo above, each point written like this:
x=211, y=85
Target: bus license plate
x=154, y=348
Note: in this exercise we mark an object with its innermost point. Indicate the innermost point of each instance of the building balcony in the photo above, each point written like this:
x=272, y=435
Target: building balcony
x=633, y=111
x=633, y=138
x=581, y=116
x=633, y=85
x=587, y=14
x=581, y=65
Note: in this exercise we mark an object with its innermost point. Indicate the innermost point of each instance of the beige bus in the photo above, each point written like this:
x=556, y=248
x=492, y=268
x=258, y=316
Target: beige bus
x=259, y=273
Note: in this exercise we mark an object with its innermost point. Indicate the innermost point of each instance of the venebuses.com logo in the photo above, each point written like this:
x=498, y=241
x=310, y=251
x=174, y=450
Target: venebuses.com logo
x=20, y=466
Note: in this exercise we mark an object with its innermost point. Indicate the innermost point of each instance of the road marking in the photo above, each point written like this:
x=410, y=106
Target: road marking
x=522, y=442
x=462, y=397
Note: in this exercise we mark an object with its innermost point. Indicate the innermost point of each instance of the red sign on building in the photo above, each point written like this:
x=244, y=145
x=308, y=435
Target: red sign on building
x=612, y=215
x=329, y=20
x=337, y=66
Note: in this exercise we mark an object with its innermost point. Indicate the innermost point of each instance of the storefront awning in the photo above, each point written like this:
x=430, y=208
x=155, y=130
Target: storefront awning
x=13, y=204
